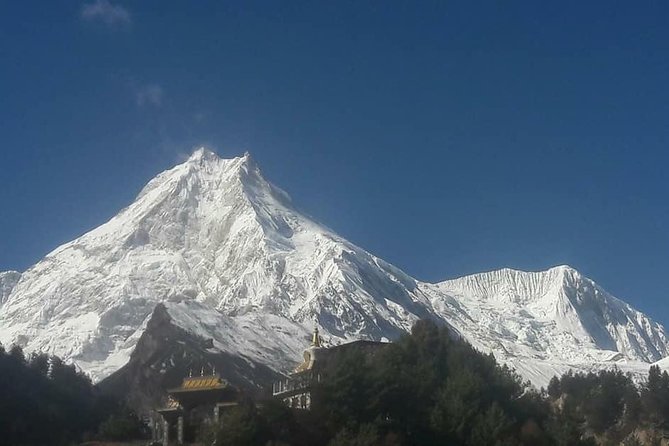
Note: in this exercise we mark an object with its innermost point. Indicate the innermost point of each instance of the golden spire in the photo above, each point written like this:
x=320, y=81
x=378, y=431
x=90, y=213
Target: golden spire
x=316, y=339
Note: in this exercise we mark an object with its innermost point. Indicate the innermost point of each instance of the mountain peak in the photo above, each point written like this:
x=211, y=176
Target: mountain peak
x=203, y=154
x=235, y=261
x=204, y=157
x=565, y=269
x=248, y=162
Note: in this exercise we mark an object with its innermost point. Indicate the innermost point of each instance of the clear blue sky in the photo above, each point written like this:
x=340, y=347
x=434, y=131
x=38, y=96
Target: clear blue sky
x=446, y=137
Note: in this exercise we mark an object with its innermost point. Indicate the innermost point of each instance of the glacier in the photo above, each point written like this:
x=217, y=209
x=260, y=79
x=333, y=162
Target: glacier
x=232, y=259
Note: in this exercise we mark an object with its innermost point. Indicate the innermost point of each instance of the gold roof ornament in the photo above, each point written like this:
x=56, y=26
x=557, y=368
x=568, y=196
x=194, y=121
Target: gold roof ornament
x=316, y=339
x=171, y=403
x=311, y=353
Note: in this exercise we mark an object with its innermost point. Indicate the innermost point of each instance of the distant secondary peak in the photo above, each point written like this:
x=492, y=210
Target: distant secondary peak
x=566, y=271
x=565, y=268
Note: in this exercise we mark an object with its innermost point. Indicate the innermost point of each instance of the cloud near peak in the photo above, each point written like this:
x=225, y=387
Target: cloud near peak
x=104, y=11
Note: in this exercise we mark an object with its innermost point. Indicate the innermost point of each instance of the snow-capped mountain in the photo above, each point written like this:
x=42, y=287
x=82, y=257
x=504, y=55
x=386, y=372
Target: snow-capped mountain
x=233, y=260
x=543, y=323
x=8, y=281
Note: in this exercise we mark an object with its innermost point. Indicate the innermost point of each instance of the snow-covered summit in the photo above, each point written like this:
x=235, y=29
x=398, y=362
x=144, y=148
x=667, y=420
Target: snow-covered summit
x=213, y=231
x=545, y=322
x=233, y=260
x=567, y=304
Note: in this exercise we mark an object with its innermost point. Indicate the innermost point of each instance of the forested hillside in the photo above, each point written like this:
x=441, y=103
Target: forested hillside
x=46, y=402
x=429, y=388
x=426, y=388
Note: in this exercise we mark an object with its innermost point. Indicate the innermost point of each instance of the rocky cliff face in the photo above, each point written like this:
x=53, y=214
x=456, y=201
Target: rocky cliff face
x=231, y=259
x=165, y=354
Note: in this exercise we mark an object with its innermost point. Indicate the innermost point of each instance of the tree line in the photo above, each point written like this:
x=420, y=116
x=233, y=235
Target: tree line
x=428, y=388
x=44, y=401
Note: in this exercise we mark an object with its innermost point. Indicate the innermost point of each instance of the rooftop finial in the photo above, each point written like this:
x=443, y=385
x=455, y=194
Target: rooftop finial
x=316, y=339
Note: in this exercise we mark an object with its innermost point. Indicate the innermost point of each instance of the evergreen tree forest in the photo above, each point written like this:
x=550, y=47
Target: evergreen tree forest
x=46, y=402
x=428, y=388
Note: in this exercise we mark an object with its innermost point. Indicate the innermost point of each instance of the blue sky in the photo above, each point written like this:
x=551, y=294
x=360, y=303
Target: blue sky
x=446, y=137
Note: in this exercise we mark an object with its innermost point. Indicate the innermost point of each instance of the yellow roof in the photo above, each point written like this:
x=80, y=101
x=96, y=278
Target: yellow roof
x=202, y=382
x=211, y=382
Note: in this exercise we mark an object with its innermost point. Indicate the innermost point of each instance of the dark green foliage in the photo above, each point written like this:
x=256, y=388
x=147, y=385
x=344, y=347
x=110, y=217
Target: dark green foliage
x=124, y=425
x=346, y=393
x=566, y=429
x=243, y=426
x=281, y=423
x=430, y=388
x=606, y=400
x=426, y=388
x=44, y=401
x=554, y=389
x=364, y=435
x=270, y=423
x=609, y=406
x=655, y=398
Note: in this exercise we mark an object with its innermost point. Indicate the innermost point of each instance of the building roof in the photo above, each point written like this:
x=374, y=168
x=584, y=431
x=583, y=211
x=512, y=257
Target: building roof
x=201, y=383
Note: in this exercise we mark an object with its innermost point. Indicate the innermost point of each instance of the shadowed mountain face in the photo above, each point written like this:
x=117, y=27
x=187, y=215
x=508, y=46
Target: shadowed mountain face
x=165, y=354
x=232, y=260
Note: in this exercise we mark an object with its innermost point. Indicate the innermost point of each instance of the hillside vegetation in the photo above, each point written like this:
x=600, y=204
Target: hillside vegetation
x=46, y=402
x=429, y=388
x=426, y=388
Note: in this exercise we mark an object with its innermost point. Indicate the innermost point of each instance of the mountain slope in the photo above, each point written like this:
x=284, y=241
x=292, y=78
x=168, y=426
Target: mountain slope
x=211, y=231
x=546, y=322
x=166, y=353
x=8, y=281
x=234, y=261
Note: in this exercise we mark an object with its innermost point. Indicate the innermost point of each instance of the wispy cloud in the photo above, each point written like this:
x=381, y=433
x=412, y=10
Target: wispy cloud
x=104, y=11
x=149, y=95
